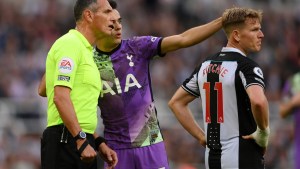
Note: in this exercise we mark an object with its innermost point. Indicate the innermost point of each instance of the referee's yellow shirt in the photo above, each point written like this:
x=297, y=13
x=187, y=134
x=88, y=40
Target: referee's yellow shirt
x=70, y=63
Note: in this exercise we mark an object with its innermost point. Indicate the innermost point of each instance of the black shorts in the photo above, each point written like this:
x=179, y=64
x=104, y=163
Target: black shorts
x=59, y=150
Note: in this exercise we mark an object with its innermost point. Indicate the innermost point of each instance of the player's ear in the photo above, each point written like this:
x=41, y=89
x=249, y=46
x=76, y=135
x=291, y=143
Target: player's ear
x=236, y=35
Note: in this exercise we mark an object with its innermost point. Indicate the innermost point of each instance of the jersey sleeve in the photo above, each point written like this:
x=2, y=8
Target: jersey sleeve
x=149, y=46
x=251, y=74
x=66, y=60
x=190, y=84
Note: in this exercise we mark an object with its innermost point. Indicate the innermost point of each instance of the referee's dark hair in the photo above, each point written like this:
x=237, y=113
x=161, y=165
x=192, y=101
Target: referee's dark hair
x=113, y=4
x=80, y=6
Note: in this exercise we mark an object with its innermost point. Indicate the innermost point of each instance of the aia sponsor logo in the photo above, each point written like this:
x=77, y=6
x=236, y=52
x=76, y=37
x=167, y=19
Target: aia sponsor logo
x=66, y=65
x=114, y=87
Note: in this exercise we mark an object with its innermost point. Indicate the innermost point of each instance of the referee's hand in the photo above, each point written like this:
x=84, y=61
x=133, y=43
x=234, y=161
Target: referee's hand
x=88, y=154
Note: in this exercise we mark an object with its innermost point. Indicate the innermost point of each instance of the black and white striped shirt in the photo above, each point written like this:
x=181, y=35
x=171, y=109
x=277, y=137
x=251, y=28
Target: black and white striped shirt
x=221, y=82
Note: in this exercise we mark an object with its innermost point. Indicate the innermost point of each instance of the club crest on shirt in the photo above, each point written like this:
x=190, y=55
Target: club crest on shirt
x=153, y=39
x=129, y=57
x=65, y=65
x=258, y=72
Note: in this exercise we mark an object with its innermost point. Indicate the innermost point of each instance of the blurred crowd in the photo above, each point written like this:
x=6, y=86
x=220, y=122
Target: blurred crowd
x=28, y=28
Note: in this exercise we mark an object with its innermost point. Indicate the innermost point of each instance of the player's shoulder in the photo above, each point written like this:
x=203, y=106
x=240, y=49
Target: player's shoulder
x=140, y=42
x=144, y=39
x=248, y=61
x=240, y=58
x=212, y=56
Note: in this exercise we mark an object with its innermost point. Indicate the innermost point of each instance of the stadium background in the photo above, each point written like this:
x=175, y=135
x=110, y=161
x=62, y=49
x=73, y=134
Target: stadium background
x=29, y=27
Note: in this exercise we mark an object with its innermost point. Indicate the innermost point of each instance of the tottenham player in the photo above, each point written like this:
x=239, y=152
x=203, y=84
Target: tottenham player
x=127, y=107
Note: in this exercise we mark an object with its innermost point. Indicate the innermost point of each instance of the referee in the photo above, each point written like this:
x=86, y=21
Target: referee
x=72, y=88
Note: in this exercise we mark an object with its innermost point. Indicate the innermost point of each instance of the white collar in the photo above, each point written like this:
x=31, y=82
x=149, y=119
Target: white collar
x=231, y=49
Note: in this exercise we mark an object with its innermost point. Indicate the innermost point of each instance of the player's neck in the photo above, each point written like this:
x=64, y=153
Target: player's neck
x=106, y=47
x=236, y=46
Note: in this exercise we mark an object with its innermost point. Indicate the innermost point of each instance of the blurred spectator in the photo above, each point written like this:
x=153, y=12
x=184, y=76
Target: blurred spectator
x=290, y=105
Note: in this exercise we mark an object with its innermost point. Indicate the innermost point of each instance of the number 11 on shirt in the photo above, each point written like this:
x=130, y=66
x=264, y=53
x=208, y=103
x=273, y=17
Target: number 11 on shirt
x=218, y=87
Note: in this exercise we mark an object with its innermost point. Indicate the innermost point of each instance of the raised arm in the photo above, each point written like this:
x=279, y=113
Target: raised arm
x=179, y=105
x=190, y=37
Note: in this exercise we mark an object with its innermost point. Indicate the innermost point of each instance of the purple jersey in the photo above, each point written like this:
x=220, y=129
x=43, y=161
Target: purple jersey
x=126, y=104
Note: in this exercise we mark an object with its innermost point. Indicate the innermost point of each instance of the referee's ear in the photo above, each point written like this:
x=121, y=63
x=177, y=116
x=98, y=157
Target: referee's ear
x=88, y=15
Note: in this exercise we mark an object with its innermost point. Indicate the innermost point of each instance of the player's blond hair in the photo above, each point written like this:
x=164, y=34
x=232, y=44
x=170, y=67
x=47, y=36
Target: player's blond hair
x=236, y=16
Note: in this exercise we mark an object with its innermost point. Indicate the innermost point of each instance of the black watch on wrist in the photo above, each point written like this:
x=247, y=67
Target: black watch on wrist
x=80, y=135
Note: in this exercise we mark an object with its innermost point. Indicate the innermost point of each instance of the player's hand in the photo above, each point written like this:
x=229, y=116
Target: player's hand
x=88, y=154
x=264, y=149
x=283, y=110
x=202, y=141
x=261, y=137
x=108, y=155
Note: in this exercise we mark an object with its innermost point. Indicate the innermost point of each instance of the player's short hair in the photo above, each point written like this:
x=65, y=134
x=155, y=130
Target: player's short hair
x=237, y=16
x=113, y=4
x=81, y=5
